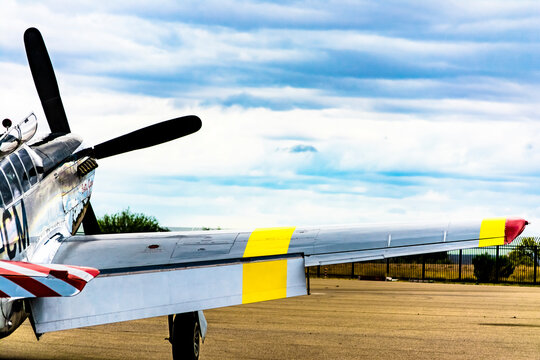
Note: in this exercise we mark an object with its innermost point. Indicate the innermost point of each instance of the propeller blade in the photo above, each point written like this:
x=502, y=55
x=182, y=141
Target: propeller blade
x=90, y=223
x=149, y=136
x=45, y=81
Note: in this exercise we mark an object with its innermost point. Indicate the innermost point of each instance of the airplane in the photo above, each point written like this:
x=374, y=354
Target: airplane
x=60, y=280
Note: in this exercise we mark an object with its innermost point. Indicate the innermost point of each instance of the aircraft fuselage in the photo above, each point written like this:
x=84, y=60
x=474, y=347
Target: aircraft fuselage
x=44, y=192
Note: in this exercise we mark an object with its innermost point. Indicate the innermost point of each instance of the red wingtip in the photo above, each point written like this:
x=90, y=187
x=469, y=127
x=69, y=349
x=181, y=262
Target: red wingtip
x=513, y=228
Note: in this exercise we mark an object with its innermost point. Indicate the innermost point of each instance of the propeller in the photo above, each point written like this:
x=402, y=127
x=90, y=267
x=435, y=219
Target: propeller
x=149, y=136
x=49, y=94
x=45, y=81
x=89, y=222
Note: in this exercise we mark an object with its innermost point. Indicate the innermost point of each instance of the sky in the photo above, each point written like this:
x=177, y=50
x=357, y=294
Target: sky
x=314, y=112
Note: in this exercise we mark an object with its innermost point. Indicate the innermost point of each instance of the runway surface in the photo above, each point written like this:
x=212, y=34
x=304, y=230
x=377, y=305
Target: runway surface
x=342, y=319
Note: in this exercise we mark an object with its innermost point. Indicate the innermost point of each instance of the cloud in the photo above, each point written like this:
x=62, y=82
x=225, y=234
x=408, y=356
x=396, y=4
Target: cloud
x=249, y=101
x=302, y=149
x=384, y=111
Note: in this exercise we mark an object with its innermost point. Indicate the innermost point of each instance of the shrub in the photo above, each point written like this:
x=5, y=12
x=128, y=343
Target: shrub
x=523, y=254
x=484, y=267
x=128, y=222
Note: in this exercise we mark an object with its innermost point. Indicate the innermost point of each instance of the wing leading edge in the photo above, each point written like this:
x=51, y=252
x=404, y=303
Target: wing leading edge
x=144, y=275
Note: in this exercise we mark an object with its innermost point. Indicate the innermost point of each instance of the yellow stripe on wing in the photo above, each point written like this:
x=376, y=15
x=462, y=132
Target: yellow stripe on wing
x=266, y=280
x=269, y=241
x=492, y=232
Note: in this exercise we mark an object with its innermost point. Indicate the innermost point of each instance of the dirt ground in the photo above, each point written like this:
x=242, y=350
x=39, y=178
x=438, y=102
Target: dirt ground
x=342, y=319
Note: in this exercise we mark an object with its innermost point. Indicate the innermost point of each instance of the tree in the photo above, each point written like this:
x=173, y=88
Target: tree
x=484, y=267
x=523, y=254
x=206, y=228
x=128, y=222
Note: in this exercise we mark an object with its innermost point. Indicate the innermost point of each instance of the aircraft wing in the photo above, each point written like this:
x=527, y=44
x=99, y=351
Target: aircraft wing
x=154, y=274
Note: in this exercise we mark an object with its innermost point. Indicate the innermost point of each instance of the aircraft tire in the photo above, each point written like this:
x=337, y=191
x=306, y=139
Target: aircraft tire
x=186, y=339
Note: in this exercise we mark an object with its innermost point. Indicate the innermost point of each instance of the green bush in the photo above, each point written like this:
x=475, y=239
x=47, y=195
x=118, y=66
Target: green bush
x=523, y=254
x=128, y=222
x=484, y=267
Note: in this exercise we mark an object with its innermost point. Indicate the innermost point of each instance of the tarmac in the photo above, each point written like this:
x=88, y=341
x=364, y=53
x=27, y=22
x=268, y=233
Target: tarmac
x=342, y=319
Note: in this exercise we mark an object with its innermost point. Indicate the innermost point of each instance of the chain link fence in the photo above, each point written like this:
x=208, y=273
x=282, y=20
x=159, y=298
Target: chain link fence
x=514, y=263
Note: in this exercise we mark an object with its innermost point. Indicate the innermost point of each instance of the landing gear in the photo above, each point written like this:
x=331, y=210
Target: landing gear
x=185, y=336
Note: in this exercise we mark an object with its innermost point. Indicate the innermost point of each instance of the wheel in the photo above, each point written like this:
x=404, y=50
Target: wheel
x=185, y=337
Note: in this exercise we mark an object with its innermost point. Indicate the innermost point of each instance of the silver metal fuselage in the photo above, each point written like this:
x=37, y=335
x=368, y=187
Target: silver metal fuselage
x=52, y=208
x=43, y=198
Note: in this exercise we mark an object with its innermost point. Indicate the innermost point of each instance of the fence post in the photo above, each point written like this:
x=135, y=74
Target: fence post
x=460, y=263
x=387, y=267
x=352, y=270
x=423, y=267
x=319, y=271
x=497, y=265
x=535, y=263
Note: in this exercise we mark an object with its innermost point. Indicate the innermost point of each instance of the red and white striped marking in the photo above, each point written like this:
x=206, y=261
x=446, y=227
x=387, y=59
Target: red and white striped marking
x=25, y=280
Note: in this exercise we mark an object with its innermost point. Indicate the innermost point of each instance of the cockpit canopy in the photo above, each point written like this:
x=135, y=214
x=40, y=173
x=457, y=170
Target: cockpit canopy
x=17, y=174
x=17, y=135
x=21, y=166
x=24, y=167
